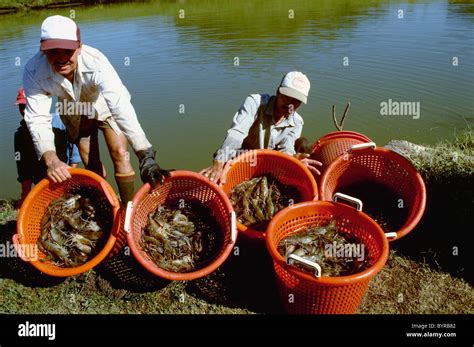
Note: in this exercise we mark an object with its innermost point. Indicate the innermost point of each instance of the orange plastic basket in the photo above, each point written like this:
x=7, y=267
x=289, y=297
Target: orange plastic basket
x=379, y=165
x=189, y=187
x=34, y=207
x=334, y=144
x=303, y=293
x=284, y=168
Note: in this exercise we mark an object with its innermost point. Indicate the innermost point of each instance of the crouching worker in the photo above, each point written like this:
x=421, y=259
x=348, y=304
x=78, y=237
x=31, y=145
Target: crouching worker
x=31, y=170
x=91, y=96
x=268, y=122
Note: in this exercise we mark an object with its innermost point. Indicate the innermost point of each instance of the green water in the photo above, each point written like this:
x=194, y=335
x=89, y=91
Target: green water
x=190, y=62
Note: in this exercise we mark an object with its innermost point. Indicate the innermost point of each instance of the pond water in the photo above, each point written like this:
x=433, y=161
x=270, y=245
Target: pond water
x=204, y=57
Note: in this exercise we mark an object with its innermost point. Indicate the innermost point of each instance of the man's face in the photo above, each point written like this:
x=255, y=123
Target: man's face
x=63, y=61
x=285, y=104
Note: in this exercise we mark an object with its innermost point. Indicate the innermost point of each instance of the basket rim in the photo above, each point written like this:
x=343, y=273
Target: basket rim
x=338, y=135
x=142, y=193
x=248, y=231
x=419, y=183
x=56, y=271
x=324, y=280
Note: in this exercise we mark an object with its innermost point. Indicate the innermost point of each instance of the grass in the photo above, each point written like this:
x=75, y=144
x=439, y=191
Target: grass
x=405, y=286
x=402, y=287
x=448, y=159
x=442, y=237
x=23, y=4
x=7, y=211
x=413, y=281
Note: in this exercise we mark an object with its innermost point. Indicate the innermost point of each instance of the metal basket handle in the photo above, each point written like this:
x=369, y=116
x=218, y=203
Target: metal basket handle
x=293, y=257
x=233, y=226
x=348, y=198
x=391, y=236
x=128, y=217
x=361, y=146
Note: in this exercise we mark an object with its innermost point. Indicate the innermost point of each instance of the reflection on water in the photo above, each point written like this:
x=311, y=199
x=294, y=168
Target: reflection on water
x=187, y=60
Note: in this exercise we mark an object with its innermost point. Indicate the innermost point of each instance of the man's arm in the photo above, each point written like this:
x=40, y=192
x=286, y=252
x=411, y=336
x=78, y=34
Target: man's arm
x=287, y=145
x=38, y=119
x=241, y=123
x=238, y=131
x=37, y=116
x=118, y=102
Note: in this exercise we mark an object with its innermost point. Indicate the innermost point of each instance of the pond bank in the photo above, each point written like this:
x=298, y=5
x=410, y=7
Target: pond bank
x=8, y=6
x=442, y=236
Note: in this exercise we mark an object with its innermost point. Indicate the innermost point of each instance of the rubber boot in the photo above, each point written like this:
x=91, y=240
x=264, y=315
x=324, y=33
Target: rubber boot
x=126, y=186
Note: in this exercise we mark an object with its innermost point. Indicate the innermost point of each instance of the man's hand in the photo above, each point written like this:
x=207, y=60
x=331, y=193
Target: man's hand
x=57, y=170
x=149, y=170
x=311, y=164
x=214, y=172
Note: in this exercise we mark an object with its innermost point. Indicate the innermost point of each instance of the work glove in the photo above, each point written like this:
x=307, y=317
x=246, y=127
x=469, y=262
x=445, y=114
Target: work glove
x=150, y=171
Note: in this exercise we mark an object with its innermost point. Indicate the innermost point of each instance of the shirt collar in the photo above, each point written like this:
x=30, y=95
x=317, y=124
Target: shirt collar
x=288, y=121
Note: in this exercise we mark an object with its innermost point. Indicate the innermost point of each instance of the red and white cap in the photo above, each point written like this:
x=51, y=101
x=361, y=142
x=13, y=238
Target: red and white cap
x=295, y=84
x=59, y=32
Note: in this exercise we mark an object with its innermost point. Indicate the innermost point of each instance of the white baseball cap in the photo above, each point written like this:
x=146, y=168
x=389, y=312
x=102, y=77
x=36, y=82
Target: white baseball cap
x=59, y=32
x=295, y=84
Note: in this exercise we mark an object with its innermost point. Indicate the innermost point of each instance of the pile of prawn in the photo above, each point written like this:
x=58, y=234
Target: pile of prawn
x=176, y=238
x=313, y=244
x=257, y=200
x=69, y=231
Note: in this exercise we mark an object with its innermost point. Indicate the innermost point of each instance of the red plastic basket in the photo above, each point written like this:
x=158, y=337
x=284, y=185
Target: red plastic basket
x=303, y=293
x=284, y=168
x=334, y=144
x=191, y=187
x=383, y=166
x=34, y=207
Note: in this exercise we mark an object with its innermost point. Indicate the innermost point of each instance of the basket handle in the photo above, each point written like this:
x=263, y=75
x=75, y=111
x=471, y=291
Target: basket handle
x=128, y=217
x=348, y=198
x=361, y=146
x=233, y=226
x=391, y=236
x=293, y=257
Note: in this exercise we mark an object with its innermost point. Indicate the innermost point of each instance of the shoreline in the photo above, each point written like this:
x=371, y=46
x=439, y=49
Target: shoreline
x=11, y=7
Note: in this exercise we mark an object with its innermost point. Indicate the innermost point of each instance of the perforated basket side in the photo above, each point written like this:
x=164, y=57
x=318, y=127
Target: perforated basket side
x=379, y=166
x=188, y=187
x=301, y=292
x=34, y=208
x=284, y=168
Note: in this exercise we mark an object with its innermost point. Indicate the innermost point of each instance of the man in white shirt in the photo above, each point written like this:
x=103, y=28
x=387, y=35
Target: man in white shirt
x=271, y=122
x=91, y=96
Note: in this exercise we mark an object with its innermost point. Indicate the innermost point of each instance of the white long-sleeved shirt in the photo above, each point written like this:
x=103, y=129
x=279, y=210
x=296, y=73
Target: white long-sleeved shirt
x=96, y=84
x=253, y=128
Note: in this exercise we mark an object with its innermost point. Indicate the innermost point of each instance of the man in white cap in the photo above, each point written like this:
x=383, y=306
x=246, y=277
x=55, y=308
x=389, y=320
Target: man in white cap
x=91, y=96
x=271, y=122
